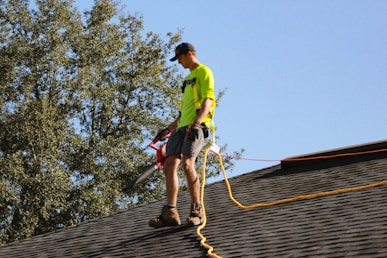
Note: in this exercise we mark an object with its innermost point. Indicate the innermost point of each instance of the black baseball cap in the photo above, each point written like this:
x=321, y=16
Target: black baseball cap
x=182, y=48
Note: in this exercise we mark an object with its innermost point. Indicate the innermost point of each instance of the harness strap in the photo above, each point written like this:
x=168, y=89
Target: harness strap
x=198, y=104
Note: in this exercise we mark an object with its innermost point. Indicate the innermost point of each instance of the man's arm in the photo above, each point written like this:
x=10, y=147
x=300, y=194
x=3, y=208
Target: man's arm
x=172, y=126
x=204, y=110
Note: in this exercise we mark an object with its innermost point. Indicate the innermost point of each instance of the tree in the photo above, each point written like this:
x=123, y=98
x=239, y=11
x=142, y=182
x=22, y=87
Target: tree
x=81, y=96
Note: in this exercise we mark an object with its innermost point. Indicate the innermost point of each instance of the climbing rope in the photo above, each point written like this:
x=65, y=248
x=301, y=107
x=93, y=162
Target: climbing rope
x=287, y=200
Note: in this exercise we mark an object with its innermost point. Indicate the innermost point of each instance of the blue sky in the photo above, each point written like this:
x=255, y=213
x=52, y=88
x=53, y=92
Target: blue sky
x=301, y=76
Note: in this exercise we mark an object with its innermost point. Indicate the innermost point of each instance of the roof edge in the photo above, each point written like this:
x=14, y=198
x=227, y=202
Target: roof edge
x=371, y=147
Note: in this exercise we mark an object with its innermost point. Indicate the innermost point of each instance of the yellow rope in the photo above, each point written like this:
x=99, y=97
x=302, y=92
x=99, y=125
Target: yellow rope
x=203, y=241
x=259, y=205
x=296, y=198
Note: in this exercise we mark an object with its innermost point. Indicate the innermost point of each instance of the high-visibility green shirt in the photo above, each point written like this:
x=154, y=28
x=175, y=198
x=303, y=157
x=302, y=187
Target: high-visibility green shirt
x=203, y=79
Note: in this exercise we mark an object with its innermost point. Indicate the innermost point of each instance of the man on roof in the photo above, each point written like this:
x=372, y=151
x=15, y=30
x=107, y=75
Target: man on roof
x=189, y=130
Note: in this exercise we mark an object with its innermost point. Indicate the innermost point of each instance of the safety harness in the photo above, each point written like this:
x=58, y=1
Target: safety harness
x=210, y=115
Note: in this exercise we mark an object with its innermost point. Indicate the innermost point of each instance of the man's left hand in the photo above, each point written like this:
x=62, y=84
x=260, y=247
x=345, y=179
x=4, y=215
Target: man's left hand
x=193, y=131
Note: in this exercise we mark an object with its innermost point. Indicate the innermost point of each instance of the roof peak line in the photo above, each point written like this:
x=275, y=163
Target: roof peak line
x=354, y=150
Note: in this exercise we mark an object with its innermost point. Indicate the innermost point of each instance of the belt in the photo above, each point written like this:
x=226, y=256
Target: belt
x=182, y=129
x=185, y=128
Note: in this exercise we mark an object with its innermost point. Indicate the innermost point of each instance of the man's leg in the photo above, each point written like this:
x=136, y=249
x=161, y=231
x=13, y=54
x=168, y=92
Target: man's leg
x=191, y=149
x=172, y=181
x=193, y=181
x=169, y=214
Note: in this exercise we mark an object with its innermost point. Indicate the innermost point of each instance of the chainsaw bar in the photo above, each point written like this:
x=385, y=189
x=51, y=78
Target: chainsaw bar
x=148, y=171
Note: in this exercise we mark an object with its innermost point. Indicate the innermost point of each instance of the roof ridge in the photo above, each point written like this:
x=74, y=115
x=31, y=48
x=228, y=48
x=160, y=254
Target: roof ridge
x=360, y=149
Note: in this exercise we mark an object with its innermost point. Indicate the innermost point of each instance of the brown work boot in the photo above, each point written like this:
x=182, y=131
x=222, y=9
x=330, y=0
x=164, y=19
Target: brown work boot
x=195, y=217
x=168, y=217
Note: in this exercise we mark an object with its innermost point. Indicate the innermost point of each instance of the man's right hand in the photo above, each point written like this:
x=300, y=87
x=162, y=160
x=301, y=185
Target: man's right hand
x=162, y=133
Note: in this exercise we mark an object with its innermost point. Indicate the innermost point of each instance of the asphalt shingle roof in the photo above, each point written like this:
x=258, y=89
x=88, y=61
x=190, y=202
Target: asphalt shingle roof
x=352, y=224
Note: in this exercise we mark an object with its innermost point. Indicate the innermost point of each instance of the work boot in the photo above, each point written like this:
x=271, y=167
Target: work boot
x=195, y=217
x=168, y=217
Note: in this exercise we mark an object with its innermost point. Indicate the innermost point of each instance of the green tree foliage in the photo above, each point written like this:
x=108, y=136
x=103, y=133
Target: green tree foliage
x=81, y=97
